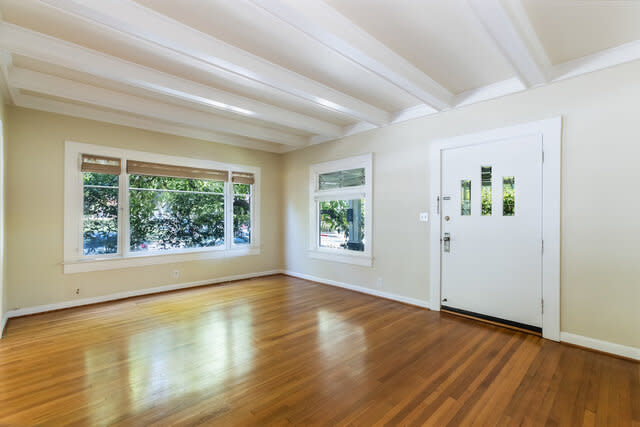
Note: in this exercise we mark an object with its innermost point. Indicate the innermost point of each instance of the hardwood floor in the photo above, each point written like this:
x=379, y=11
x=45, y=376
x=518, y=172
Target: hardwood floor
x=280, y=350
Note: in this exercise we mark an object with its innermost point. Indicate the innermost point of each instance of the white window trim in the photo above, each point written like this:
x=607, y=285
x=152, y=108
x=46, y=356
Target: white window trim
x=315, y=195
x=551, y=132
x=75, y=262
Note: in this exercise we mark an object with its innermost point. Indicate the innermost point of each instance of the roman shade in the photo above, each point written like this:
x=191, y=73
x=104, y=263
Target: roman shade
x=100, y=164
x=135, y=167
x=242, y=178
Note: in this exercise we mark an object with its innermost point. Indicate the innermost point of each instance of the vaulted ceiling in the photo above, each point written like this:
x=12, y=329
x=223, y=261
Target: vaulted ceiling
x=278, y=75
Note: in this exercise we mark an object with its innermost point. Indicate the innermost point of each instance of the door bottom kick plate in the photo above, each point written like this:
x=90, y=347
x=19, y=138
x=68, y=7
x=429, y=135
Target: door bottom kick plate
x=536, y=330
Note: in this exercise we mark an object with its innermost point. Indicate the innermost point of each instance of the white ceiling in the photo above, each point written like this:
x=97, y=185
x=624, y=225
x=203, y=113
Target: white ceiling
x=278, y=75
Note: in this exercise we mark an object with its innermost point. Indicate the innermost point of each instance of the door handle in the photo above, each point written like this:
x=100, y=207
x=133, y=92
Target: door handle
x=446, y=242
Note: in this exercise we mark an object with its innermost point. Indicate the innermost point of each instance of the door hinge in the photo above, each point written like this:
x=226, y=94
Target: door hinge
x=543, y=157
x=542, y=305
x=542, y=246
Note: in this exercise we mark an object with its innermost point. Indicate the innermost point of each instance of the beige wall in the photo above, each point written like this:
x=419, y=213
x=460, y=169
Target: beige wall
x=35, y=186
x=600, y=278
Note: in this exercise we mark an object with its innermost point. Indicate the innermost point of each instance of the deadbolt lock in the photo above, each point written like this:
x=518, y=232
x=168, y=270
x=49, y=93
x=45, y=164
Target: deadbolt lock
x=446, y=242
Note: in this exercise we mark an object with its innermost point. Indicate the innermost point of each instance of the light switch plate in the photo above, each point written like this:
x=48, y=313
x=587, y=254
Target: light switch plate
x=424, y=216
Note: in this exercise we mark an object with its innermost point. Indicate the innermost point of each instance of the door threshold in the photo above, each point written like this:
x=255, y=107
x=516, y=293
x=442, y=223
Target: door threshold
x=509, y=324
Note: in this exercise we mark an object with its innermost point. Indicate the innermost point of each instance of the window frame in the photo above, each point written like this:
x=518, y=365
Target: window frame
x=316, y=195
x=76, y=262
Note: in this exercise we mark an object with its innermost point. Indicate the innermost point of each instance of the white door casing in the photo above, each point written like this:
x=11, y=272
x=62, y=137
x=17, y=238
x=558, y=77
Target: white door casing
x=549, y=133
x=492, y=260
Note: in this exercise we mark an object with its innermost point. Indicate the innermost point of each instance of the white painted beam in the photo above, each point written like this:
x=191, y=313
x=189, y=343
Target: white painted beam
x=499, y=26
x=600, y=60
x=8, y=93
x=147, y=29
x=327, y=26
x=86, y=112
x=491, y=91
x=39, y=46
x=80, y=92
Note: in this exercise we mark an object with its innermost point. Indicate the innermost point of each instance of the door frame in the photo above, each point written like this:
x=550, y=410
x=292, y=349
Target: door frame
x=551, y=132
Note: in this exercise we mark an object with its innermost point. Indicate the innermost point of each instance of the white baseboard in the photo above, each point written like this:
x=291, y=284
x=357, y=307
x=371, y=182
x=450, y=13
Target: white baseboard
x=605, y=346
x=362, y=289
x=128, y=294
x=3, y=323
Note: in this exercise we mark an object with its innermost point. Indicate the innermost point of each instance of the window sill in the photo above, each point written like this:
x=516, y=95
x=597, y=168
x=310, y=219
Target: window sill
x=363, y=260
x=93, y=264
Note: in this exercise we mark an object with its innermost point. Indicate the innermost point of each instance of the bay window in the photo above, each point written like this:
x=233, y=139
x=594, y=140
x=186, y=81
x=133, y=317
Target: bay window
x=126, y=208
x=341, y=214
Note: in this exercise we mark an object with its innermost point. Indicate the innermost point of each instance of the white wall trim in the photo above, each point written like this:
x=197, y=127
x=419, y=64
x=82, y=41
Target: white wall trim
x=343, y=257
x=75, y=262
x=604, y=346
x=3, y=323
x=551, y=132
x=365, y=191
x=112, y=263
x=134, y=293
x=387, y=295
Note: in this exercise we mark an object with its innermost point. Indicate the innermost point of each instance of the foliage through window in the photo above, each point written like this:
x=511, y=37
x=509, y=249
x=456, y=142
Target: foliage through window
x=340, y=200
x=100, y=213
x=465, y=197
x=119, y=207
x=342, y=224
x=241, y=214
x=175, y=213
x=508, y=196
x=485, y=190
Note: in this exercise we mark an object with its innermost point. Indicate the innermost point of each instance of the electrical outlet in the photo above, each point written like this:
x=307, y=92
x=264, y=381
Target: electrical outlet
x=424, y=216
x=379, y=282
x=78, y=291
x=176, y=274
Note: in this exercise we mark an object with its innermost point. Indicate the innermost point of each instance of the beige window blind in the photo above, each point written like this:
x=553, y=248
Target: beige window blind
x=100, y=164
x=242, y=177
x=135, y=167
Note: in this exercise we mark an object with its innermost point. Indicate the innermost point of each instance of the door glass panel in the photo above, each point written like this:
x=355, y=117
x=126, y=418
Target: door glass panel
x=465, y=198
x=485, y=190
x=508, y=196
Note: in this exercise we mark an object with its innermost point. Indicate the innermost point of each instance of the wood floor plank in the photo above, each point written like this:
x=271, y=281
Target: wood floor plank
x=285, y=351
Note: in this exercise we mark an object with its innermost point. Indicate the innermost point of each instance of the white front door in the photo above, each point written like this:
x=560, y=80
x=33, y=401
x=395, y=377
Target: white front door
x=492, y=230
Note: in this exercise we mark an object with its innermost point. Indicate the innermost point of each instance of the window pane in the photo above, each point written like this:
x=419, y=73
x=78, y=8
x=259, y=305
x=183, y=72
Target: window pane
x=342, y=224
x=175, y=213
x=100, y=214
x=241, y=214
x=485, y=191
x=465, y=197
x=508, y=196
x=341, y=179
x=182, y=184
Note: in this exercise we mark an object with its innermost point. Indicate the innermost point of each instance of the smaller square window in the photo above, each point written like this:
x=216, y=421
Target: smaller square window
x=341, y=210
x=341, y=179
